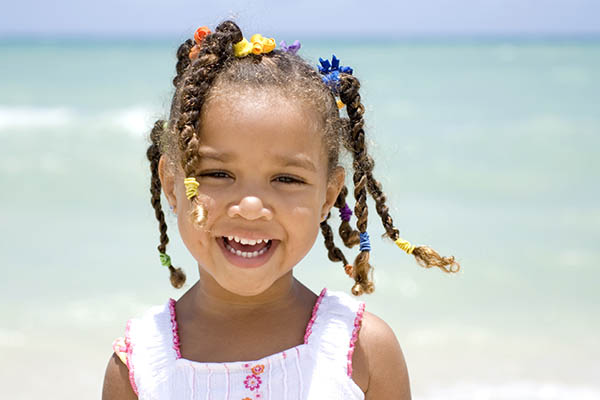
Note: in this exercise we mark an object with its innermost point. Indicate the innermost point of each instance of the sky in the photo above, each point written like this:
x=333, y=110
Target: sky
x=134, y=18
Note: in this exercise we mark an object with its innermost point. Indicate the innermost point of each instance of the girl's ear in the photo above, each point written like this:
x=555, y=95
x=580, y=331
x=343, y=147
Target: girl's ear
x=167, y=181
x=334, y=187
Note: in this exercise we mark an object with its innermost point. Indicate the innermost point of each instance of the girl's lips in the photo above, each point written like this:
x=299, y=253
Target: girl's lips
x=243, y=262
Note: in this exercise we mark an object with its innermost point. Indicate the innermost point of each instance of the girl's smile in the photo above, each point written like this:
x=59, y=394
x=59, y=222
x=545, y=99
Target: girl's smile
x=264, y=183
x=247, y=255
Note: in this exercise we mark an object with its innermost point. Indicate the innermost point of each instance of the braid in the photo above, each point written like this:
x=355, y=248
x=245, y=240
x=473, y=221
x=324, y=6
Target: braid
x=216, y=52
x=425, y=256
x=183, y=60
x=153, y=153
x=348, y=235
x=349, y=86
x=374, y=188
x=334, y=253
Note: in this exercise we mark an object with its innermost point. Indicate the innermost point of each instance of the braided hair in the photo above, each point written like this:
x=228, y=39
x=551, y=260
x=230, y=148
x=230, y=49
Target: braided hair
x=214, y=69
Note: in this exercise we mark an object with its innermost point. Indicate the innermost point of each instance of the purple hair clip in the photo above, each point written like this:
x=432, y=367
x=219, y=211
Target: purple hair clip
x=345, y=213
x=292, y=48
x=331, y=72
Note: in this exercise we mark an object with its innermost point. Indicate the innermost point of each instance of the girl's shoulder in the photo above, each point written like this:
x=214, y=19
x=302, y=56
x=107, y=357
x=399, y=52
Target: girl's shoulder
x=117, y=385
x=379, y=365
x=374, y=356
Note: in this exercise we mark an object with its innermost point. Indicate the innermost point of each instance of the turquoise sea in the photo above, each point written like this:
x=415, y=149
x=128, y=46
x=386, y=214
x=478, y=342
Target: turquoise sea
x=486, y=148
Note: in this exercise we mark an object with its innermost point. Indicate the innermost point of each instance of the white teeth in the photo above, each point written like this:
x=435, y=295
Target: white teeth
x=250, y=242
x=246, y=254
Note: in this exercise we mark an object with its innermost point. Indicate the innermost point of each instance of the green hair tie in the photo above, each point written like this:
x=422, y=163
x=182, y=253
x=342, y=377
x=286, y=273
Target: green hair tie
x=165, y=259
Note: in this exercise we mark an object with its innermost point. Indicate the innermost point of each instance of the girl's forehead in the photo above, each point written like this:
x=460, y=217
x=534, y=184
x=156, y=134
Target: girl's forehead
x=250, y=104
x=261, y=121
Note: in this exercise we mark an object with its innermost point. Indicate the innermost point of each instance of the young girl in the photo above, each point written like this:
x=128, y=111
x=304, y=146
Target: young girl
x=248, y=161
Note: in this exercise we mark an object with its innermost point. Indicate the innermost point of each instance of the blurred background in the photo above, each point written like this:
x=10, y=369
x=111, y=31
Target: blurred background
x=483, y=120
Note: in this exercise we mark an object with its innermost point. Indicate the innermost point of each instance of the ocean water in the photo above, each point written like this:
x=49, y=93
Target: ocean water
x=486, y=149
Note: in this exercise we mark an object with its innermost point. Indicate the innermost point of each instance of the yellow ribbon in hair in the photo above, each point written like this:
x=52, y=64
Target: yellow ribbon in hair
x=191, y=187
x=257, y=45
x=405, y=245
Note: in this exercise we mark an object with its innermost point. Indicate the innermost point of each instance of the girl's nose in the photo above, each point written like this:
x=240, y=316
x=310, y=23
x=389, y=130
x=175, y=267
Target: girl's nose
x=250, y=207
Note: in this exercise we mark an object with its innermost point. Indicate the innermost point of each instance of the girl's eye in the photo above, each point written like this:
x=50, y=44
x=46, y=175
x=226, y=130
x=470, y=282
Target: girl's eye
x=215, y=174
x=289, y=180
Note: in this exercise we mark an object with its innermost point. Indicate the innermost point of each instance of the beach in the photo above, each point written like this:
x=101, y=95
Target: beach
x=486, y=150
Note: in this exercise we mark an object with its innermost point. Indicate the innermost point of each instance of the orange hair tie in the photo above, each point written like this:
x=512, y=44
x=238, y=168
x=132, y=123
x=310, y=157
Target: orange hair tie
x=199, y=36
x=349, y=270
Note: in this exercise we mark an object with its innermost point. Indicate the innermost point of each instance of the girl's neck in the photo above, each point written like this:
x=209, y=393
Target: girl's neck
x=209, y=298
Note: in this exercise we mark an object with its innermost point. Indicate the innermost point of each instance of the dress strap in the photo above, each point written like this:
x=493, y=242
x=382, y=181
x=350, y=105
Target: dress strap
x=150, y=348
x=335, y=329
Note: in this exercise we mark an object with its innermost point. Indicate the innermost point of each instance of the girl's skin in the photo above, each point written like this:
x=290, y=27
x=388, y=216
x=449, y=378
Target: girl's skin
x=263, y=175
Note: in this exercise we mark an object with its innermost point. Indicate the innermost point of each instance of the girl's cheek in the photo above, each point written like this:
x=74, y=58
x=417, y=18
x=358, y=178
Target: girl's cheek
x=302, y=212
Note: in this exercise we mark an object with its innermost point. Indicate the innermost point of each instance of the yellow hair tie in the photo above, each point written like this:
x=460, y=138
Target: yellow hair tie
x=191, y=187
x=405, y=245
x=340, y=104
x=242, y=48
x=257, y=45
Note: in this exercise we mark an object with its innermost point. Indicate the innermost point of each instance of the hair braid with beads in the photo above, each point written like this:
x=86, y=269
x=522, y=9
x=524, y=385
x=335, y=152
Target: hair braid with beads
x=216, y=70
x=333, y=252
x=349, y=95
x=349, y=236
x=177, y=276
x=216, y=51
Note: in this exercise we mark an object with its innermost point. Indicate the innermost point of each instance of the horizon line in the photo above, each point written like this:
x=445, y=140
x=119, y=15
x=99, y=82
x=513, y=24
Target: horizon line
x=349, y=37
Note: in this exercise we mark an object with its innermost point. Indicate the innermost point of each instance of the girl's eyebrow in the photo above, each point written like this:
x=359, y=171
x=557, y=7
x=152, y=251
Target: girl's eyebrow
x=300, y=160
x=214, y=155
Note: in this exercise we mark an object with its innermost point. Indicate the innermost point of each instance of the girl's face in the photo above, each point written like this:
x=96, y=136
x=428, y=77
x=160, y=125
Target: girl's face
x=263, y=182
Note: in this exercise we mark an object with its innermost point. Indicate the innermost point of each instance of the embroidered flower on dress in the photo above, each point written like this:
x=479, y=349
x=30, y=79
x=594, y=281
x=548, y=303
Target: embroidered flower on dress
x=258, y=369
x=252, y=382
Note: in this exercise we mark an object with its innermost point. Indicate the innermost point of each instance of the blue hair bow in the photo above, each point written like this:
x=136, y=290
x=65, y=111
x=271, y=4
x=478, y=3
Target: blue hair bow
x=331, y=72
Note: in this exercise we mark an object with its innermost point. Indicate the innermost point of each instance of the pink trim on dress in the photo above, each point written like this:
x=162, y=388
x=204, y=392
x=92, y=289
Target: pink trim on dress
x=314, y=316
x=174, y=328
x=357, y=323
x=129, y=348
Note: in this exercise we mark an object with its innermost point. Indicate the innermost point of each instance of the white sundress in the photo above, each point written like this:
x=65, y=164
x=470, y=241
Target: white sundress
x=320, y=368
